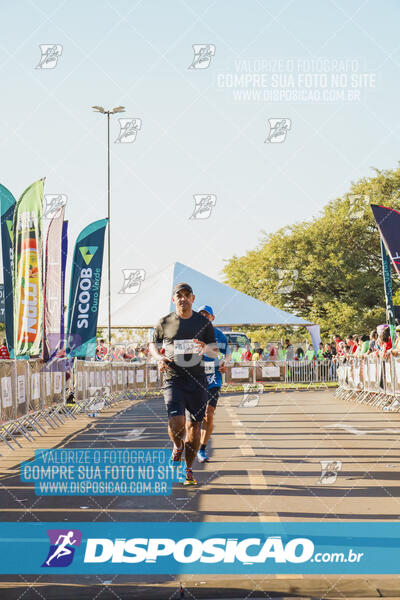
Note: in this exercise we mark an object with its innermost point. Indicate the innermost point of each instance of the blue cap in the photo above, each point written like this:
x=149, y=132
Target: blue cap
x=206, y=308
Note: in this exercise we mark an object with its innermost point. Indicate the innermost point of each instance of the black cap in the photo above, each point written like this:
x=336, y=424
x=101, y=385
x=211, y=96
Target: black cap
x=182, y=286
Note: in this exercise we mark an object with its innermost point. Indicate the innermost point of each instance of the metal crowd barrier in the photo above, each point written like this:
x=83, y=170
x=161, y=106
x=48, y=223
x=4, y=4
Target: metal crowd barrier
x=286, y=374
x=34, y=396
x=370, y=380
x=31, y=398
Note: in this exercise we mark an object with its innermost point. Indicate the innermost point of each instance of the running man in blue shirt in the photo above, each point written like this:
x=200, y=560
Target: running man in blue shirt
x=213, y=368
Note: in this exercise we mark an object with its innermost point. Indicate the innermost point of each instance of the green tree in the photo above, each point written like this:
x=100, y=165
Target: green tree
x=327, y=270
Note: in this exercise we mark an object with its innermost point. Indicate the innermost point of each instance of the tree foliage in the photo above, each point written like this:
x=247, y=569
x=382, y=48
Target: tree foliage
x=327, y=270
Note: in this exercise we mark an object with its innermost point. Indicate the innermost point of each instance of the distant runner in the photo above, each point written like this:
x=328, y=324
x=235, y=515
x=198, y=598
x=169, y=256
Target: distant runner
x=214, y=367
x=186, y=336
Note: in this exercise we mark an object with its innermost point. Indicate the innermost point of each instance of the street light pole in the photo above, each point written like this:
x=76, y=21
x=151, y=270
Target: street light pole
x=100, y=109
x=109, y=230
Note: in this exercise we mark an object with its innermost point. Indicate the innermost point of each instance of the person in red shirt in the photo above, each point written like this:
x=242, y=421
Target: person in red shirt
x=129, y=354
x=273, y=353
x=341, y=349
x=350, y=342
x=4, y=353
x=337, y=340
x=385, y=342
x=119, y=352
x=246, y=355
x=101, y=351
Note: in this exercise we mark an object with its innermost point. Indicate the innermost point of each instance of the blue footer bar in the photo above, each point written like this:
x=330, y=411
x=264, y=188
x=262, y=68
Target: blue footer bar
x=217, y=548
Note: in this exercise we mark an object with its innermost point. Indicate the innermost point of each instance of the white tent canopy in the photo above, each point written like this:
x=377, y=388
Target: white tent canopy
x=231, y=307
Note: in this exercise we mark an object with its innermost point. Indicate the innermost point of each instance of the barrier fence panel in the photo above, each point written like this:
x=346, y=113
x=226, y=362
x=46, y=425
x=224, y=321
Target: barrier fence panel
x=390, y=378
x=310, y=372
x=237, y=373
x=301, y=371
x=81, y=380
x=357, y=374
x=120, y=377
x=131, y=377
x=269, y=371
x=21, y=374
x=371, y=379
x=125, y=377
x=152, y=377
x=7, y=381
x=36, y=392
x=283, y=373
x=140, y=376
x=396, y=375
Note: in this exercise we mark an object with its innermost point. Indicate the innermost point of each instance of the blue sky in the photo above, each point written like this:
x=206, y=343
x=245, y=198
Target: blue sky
x=197, y=137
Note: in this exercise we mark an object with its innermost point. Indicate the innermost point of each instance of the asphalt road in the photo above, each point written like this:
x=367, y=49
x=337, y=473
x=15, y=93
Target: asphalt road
x=266, y=466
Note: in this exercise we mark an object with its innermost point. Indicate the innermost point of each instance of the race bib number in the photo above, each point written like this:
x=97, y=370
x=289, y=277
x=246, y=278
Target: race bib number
x=184, y=347
x=209, y=368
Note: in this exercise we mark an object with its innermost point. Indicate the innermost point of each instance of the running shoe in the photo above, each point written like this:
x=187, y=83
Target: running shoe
x=202, y=456
x=190, y=480
x=176, y=455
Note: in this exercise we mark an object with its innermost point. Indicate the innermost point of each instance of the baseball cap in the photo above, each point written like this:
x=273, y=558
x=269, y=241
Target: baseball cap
x=182, y=286
x=207, y=308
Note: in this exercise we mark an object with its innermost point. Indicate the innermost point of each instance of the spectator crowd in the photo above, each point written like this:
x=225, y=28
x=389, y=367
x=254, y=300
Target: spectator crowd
x=378, y=342
x=119, y=352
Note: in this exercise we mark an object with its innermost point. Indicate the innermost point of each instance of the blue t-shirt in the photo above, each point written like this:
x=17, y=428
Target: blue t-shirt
x=213, y=374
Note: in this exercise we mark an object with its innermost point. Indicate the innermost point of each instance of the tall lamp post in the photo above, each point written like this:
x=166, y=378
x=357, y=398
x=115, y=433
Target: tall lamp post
x=101, y=110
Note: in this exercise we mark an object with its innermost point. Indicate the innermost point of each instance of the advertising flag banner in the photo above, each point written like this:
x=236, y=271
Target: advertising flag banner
x=387, y=281
x=84, y=295
x=64, y=254
x=7, y=207
x=53, y=286
x=2, y=311
x=28, y=271
x=388, y=222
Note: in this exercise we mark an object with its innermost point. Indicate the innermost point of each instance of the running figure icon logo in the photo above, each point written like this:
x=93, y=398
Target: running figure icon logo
x=53, y=205
x=203, y=205
x=278, y=129
x=50, y=55
x=251, y=395
x=62, y=547
x=329, y=471
x=287, y=278
x=128, y=129
x=203, y=54
x=132, y=280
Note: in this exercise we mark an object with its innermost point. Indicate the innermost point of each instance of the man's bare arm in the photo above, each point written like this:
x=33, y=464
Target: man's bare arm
x=160, y=358
x=154, y=351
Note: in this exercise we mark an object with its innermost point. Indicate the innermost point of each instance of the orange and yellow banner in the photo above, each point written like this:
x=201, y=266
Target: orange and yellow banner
x=28, y=275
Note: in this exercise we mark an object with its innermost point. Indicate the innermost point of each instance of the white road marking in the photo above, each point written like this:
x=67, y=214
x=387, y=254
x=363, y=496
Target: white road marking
x=355, y=431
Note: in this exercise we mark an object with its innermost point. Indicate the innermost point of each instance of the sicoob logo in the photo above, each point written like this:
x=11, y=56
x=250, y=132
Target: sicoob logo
x=62, y=550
